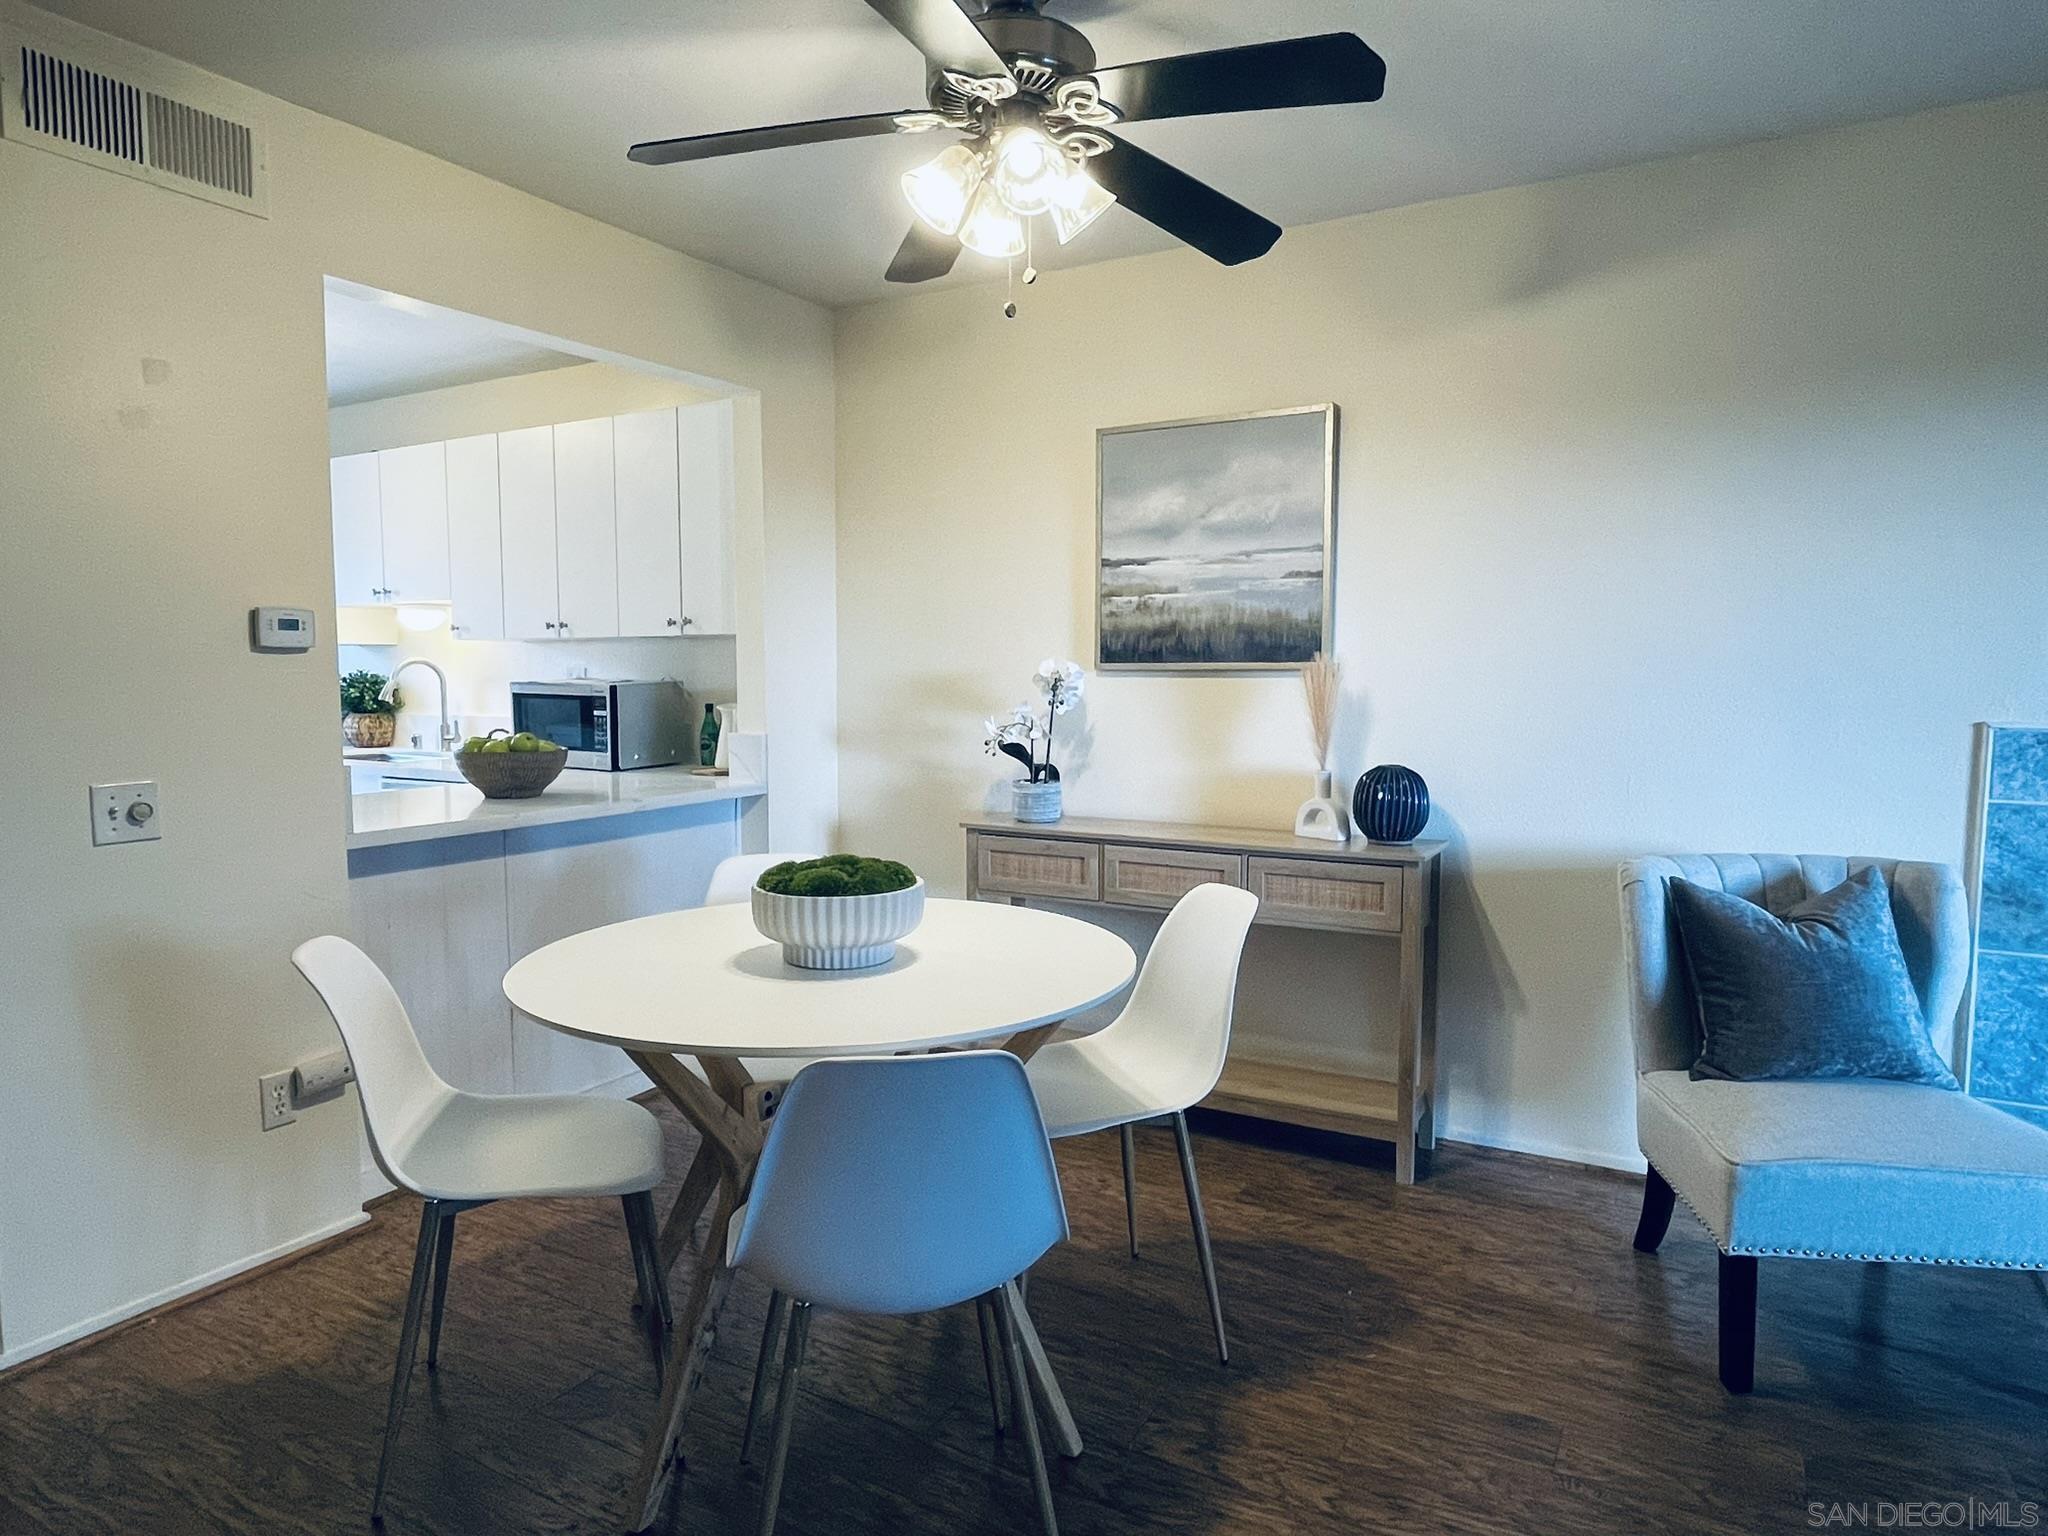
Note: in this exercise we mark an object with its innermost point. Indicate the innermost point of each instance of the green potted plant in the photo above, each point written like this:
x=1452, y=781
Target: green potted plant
x=368, y=718
x=840, y=913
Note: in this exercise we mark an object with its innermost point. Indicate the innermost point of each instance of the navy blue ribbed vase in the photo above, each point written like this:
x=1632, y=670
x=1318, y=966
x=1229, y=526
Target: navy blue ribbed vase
x=1390, y=804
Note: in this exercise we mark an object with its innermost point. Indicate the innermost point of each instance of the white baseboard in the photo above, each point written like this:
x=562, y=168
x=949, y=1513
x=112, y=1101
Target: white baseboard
x=1556, y=1152
x=136, y=1308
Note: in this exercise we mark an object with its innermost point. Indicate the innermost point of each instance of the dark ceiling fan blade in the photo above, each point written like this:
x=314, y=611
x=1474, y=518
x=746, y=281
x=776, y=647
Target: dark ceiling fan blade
x=706, y=146
x=923, y=255
x=1301, y=72
x=944, y=34
x=1182, y=206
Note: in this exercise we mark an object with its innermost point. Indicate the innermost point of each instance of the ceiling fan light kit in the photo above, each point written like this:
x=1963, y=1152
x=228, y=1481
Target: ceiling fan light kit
x=1036, y=112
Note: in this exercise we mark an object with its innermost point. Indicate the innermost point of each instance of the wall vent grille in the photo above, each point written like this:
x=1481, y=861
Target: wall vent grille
x=126, y=121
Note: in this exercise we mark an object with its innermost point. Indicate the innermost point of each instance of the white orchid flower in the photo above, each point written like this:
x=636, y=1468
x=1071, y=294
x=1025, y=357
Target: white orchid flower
x=1059, y=683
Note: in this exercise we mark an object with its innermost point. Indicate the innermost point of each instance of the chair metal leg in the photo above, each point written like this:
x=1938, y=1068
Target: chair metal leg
x=431, y=1217
x=1658, y=1198
x=443, y=1249
x=1130, y=1187
x=640, y=1240
x=985, y=1316
x=764, y=1364
x=785, y=1413
x=1007, y=1307
x=1738, y=1321
x=1201, y=1225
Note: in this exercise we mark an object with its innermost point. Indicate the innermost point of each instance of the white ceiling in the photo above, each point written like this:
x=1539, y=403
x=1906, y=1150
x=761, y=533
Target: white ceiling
x=546, y=95
x=380, y=345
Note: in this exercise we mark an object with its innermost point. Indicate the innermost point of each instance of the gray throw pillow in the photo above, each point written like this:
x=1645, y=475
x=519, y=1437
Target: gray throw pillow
x=1822, y=991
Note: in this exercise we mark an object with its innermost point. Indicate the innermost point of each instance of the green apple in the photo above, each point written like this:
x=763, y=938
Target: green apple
x=496, y=744
x=475, y=744
x=526, y=741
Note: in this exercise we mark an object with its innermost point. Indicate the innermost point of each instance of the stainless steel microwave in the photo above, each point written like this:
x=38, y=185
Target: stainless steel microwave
x=609, y=724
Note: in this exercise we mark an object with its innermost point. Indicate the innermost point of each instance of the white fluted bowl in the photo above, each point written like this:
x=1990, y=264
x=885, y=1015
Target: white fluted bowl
x=838, y=933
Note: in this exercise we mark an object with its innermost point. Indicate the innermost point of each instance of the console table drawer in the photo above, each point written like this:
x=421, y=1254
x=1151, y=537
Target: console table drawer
x=1314, y=893
x=1038, y=866
x=1135, y=876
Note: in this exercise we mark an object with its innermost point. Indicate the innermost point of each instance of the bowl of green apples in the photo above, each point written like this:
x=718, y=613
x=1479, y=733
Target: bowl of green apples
x=510, y=767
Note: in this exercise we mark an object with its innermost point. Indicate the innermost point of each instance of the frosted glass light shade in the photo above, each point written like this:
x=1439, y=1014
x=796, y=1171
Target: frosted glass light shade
x=991, y=229
x=1080, y=203
x=421, y=617
x=940, y=190
x=1029, y=170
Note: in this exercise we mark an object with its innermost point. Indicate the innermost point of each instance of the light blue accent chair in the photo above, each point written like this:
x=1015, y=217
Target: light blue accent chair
x=895, y=1185
x=1837, y=1169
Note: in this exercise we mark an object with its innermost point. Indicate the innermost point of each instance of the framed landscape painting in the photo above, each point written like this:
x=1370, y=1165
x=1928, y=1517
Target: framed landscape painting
x=1213, y=541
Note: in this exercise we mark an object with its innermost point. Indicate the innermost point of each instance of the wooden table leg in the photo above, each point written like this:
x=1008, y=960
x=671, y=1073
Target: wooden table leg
x=679, y=1232
x=1026, y=1042
x=732, y=1149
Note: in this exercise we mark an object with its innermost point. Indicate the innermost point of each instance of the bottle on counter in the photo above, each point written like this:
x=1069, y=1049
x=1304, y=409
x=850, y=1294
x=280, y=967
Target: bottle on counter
x=707, y=738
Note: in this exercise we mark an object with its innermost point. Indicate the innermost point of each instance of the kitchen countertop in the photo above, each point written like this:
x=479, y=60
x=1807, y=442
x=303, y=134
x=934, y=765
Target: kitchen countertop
x=433, y=811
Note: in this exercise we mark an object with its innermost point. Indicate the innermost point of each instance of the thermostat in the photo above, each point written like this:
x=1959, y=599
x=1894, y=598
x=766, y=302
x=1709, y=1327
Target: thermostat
x=280, y=629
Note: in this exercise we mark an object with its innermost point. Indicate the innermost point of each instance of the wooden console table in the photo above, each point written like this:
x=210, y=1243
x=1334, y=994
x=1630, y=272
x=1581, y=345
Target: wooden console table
x=1377, y=889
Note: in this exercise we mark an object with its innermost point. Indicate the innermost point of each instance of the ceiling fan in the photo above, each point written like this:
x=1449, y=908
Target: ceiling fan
x=1037, y=114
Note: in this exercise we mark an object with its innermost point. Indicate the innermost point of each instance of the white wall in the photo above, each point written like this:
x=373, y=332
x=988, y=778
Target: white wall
x=1693, y=505
x=480, y=671
x=163, y=468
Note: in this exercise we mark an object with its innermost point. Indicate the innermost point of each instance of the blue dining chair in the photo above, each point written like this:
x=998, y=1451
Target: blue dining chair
x=896, y=1185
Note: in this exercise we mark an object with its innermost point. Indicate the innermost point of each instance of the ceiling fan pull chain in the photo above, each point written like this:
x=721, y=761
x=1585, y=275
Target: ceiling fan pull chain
x=1009, y=287
x=1030, y=238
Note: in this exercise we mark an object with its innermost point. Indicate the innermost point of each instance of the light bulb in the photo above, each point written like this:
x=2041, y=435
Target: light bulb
x=1080, y=203
x=1029, y=170
x=991, y=229
x=940, y=190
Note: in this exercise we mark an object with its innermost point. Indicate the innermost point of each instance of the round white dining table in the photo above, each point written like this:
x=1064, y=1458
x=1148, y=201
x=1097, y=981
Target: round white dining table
x=703, y=983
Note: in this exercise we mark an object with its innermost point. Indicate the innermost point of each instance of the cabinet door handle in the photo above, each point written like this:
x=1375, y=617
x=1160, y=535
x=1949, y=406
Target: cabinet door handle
x=671, y=623
x=688, y=621
x=551, y=623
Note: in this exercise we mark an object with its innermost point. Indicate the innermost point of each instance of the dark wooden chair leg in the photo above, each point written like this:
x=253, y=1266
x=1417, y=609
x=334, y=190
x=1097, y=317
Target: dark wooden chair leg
x=1738, y=1321
x=1658, y=1199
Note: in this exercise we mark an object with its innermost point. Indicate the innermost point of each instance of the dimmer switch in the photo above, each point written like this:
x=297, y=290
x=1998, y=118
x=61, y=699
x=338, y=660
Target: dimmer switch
x=125, y=813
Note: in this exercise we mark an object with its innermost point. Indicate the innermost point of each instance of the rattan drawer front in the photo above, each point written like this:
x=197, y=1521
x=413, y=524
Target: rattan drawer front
x=1158, y=877
x=1038, y=866
x=1312, y=893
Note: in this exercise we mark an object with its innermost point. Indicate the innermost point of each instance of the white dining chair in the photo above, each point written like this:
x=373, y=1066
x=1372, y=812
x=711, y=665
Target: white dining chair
x=896, y=1185
x=733, y=880
x=458, y=1151
x=1160, y=1056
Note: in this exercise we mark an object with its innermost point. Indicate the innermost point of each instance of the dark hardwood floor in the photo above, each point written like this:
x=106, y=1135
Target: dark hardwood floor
x=1480, y=1353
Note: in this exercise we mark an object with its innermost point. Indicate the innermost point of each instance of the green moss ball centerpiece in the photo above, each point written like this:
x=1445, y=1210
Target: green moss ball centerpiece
x=844, y=912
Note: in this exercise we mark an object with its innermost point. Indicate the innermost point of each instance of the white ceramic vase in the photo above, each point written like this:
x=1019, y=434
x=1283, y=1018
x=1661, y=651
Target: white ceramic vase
x=838, y=933
x=1322, y=815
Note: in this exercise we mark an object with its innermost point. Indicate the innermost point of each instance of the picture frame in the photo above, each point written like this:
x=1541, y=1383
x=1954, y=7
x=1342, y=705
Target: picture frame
x=1215, y=541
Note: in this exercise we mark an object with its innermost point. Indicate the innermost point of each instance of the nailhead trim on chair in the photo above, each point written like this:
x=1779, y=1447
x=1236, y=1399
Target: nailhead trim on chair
x=1829, y=1253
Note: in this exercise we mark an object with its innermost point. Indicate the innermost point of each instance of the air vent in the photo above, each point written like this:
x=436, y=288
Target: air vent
x=200, y=146
x=139, y=118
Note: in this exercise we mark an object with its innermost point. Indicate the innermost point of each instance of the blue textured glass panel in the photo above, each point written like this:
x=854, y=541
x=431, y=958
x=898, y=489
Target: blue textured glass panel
x=2015, y=901
x=2019, y=764
x=2009, y=1047
x=2027, y=1112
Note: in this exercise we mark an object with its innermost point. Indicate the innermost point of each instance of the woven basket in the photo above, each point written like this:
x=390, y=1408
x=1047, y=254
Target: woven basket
x=511, y=775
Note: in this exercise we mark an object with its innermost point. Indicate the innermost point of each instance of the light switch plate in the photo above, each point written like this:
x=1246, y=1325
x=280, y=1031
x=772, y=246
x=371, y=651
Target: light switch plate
x=125, y=813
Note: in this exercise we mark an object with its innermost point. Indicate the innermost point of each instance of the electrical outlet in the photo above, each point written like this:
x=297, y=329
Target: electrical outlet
x=276, y=1094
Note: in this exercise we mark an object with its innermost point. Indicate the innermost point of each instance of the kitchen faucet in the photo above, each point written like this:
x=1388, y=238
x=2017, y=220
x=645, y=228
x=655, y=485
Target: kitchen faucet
x=390, y=691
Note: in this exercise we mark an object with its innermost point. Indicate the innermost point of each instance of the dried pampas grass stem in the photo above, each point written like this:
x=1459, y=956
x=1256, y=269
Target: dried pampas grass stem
x=1319, y=690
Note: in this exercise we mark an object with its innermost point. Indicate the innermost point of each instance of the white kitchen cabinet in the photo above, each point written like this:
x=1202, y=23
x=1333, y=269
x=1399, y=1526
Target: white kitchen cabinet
x=650, y=530
x=586, y=530
x=526, y=521
x=413, y=490
x=708, y=497
x=358, y=530
x=476, y=571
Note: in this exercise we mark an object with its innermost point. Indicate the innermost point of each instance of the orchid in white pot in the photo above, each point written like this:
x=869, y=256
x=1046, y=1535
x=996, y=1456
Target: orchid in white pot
x=1026, y=733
